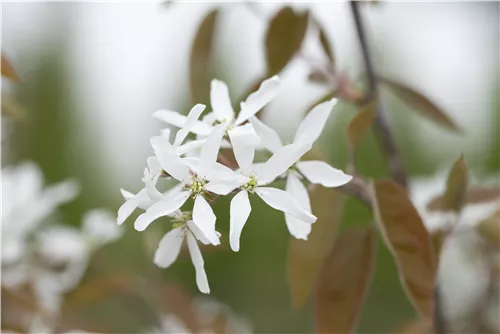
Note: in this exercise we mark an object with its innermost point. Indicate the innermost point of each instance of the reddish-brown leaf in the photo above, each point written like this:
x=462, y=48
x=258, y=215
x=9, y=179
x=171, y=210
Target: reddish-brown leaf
x=490, y=229
x=284, y=38
x=422, y=104
x=344, y=281
x=8, y=70
x=476, y=195
x=200, y=62
x=456, y=186
x=409, y=242
x=325, y=44
x=305, y=258
x=359, y=125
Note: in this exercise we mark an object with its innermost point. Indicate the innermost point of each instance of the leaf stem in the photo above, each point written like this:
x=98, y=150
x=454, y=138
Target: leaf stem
x=385, y=133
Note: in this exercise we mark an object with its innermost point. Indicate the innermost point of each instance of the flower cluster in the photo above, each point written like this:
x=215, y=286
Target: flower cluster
x=193, y=166
x=50, y=259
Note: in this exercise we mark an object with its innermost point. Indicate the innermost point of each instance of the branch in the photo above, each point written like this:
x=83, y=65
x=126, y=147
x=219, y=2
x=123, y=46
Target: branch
x=386, y=136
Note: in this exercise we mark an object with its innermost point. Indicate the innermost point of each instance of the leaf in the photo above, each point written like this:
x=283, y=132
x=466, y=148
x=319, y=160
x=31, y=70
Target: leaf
x=419, y=326
x=284, y=38
x=422, y=104
x=12, y=109
x=200, y=62
x=305, y=258
x=490, y=229
x=8, y=70
x=456, y=186
x=359, y=125
x=344, y=281
x=475, y=195
x=409, y=242
x=323, y=39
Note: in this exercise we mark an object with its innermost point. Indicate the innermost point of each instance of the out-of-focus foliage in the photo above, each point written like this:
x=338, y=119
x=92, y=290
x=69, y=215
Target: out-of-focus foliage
x=345, y=280
x=305, y=258
x=409, y=243
x=456, y=186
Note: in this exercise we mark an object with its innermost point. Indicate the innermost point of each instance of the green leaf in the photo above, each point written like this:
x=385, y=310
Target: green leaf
x=359, y=125
x=345, y=280
x=305, y=258
x=325, y=44
x=456, y=186
x=284, y=38
x=8, y=70
x=409, y=242
x=200, y=62
x=12, y=109
x=422, y=104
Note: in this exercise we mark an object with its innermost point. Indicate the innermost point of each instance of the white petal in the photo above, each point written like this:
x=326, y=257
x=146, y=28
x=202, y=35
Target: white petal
x=319, y=172
x=244, y=139
x=150, y=186
x=279, y=163
x=99, y=226
x=283, y=201
x=314, y=122
x=269, y=138
x=168, y=158
x=191, y=120
x=169, y=248
x=190, y=146
x=258, y=99
x=227, y=185
x=126, y=210
x=201, y=276
x=154, y=166
x=197, y=232
x=210, y=148
x=204, y=218
x=239, y=212
x=296, y=188
x=160, y=209
x=166, y=133
x=220, y=101
x=126, y=194
x=178, y=120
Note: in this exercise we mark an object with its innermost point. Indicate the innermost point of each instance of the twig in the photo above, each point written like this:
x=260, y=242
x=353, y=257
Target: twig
x=357, y=188
x=386, y=136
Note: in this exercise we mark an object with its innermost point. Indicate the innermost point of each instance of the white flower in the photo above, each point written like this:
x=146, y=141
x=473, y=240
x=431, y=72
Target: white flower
x=316, y=172
x=252, y=178
x=170, y=247
x=26, y=204
x=223, y=113
x=192, y=183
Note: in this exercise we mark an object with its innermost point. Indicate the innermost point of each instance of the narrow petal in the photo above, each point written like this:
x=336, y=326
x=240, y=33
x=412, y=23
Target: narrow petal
x=257, y=100
x=225, y=186
x=269, y=138
x=154, y=166
x=210, y=148
x=204, y=218
x=244, y=139
x=160, y=209
x=126, y=194
x=319, y=172
x=169, y=248
x=220, y=101
x=166, y=133
x=314, y=122
x=239, y=212
x=283, y=201
x=198, y=263
x=197, y=232
x=150, y=186
x=168, y=158
x=191, y=120
x=296, y=188
x=190, y=146
x=126, y=210
x=178, y=120
x=279, y=163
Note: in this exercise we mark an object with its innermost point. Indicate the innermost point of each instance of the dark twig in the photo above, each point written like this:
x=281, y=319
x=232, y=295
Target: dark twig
x=386, y=136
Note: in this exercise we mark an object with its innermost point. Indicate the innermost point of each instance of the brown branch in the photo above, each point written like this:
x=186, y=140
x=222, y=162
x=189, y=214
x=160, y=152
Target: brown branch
x=384, y=131
x=358, y=189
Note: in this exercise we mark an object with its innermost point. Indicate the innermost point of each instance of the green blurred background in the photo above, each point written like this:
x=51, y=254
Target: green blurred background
x=94, y=72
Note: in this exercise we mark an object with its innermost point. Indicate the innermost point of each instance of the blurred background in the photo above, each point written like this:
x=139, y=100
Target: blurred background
x=93, y=73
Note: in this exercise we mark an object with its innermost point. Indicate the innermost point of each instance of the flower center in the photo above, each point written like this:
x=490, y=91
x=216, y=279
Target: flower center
x=197, y=185
x=251, y=185
x=180, y=220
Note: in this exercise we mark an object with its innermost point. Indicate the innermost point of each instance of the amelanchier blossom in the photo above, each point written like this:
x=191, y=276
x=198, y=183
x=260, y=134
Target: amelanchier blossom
x=201, y=177
x=314, y=171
